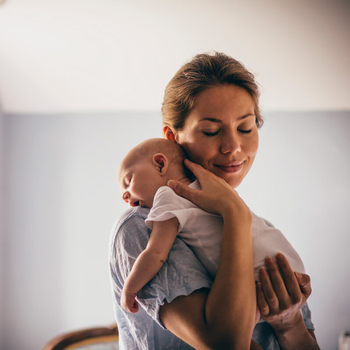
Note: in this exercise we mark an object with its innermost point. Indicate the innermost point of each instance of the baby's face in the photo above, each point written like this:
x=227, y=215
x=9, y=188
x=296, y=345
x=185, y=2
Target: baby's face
x=139, y=182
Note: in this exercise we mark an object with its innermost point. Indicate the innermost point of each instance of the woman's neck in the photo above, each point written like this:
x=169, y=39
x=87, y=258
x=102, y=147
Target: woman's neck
x=185, y=180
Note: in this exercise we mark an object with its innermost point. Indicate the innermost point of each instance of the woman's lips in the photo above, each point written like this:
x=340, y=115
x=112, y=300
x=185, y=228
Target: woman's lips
x=232, y=167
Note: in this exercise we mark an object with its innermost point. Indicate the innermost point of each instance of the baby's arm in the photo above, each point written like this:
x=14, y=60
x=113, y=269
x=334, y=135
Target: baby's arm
x=149, y=261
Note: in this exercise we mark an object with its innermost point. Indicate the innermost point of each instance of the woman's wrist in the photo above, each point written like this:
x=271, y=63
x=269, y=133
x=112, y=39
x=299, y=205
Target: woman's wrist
x=240, y=215
x=283, y=329
x=296, y=336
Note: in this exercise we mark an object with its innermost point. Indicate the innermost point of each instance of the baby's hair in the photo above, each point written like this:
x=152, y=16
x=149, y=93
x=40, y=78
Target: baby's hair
x=170, y=149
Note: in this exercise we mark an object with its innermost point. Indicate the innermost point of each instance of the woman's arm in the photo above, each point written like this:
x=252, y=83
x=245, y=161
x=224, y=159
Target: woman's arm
x=280, y=297
x=149, y=261
x=224, y=316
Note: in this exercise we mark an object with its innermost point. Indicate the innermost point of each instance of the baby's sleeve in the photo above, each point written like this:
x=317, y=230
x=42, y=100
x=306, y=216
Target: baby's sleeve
x=167, y=205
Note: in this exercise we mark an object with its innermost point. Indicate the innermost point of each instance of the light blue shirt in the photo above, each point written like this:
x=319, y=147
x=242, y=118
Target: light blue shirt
x=181, y=274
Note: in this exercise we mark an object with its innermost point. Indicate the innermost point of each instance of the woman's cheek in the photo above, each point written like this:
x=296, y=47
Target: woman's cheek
x=253, y=145
x=192, y=150
x=195, y=156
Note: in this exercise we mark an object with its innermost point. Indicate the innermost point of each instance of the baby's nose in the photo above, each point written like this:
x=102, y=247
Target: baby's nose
x=126, y=197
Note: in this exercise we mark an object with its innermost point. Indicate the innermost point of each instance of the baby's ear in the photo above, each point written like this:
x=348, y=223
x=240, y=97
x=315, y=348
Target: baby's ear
x=161, y=162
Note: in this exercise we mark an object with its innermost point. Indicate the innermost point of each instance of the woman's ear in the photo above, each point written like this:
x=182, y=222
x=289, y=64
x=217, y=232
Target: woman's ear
x=168, y=133
x=161, y=162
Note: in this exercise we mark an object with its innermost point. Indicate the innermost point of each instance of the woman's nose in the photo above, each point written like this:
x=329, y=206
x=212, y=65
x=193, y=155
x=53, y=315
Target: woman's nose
x=230, y=144
x=126, y=196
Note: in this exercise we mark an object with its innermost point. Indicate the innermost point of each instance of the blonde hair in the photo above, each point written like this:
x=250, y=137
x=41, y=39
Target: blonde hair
x=203, y=72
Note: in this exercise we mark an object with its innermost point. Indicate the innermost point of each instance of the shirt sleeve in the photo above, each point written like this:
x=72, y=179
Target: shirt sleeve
x=306, y=313
x=181, y=274
x=167, y=205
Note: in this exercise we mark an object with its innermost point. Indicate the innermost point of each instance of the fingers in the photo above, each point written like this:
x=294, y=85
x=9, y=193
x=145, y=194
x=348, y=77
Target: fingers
x=304, y=283
x=182, y=190
x=216, y=195
x=276, y=281
x=281, y=292
x=290, y=281
x=130, y=305
x=196, y=169
x=134, y=307
x=280, y=284
x=268, y=290
x=262, y=303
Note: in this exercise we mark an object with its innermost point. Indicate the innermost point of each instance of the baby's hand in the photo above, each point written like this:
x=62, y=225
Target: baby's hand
x=128, y=302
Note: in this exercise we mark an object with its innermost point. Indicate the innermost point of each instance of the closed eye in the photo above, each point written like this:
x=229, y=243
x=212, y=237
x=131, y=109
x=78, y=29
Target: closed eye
x=210, y=133
x=245, y=131
x=126, y=182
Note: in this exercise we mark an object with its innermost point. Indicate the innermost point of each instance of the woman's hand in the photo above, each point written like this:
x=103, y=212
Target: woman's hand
x=216, y=196
x=281, y=295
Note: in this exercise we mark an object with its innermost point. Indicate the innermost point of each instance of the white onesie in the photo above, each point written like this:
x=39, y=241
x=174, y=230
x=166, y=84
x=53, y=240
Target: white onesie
x=202, y=232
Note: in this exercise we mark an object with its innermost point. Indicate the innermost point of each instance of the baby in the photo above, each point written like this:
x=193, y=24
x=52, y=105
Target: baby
x=143, y=176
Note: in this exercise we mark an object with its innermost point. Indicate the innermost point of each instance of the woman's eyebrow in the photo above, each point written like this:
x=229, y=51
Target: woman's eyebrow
x=246, y=116
x=215, y=120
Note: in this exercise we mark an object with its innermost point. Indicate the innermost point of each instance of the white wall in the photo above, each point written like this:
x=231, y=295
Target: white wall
x=63, y=199
x=62, y=202
x=78, y=55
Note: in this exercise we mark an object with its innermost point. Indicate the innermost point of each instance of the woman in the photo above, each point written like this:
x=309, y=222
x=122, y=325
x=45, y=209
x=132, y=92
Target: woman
x=211, y=109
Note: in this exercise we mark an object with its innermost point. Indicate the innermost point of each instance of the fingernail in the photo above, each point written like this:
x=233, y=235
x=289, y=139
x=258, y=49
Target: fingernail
x=172, y=184
x=269, y=260
x=279, y=256
x=262, y=270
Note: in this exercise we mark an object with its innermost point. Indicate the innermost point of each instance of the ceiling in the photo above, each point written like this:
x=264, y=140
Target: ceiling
x=110, y=55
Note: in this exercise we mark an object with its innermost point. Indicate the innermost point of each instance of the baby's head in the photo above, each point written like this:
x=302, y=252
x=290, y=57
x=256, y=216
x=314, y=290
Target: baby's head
x=148, y=166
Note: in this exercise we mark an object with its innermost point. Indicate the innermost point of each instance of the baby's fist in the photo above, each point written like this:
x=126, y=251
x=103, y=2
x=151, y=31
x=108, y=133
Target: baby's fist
x=128, y=302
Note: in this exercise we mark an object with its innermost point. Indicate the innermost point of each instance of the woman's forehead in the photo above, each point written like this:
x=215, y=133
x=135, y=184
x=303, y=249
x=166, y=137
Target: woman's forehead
x=218, y=103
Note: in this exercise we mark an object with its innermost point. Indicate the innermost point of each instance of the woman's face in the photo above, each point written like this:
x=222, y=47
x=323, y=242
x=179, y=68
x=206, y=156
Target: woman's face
x=220, y=133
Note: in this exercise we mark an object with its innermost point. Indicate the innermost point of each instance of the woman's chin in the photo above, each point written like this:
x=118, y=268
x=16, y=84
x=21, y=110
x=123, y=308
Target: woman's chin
x=234, y=180
x=234, y=183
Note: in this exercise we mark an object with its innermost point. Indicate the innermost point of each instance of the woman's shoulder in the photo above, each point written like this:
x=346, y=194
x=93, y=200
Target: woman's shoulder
x=133, y=215
x=129, y=228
